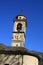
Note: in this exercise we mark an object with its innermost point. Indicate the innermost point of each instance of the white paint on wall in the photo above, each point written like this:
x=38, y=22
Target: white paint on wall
x=30, y=60
x=14, y=59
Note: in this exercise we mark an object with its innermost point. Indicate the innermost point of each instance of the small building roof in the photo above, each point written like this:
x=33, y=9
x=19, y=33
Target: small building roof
x=19, y=50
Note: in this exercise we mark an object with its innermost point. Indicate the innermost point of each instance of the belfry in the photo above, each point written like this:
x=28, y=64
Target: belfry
x=19, y=31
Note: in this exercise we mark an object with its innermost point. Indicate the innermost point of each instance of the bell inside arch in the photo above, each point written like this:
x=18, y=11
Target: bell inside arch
x=19, y=27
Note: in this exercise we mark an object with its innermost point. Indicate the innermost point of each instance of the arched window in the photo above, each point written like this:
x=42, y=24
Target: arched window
x=19, y=26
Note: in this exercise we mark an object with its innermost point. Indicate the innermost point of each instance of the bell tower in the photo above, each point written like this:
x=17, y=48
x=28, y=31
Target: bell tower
x=19, y=31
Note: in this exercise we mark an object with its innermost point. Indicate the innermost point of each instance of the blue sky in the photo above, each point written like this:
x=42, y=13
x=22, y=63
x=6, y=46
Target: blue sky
x=33, y=10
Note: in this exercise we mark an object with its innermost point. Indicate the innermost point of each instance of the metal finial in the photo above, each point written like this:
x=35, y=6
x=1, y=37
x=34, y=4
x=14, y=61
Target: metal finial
x=21, y=13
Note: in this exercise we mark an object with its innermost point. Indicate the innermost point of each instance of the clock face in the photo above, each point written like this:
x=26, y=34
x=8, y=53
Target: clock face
x=18, y=36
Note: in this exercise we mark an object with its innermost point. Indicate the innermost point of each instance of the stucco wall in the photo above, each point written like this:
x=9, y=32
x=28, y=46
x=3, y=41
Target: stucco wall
x=18, y=60
x=30, y=60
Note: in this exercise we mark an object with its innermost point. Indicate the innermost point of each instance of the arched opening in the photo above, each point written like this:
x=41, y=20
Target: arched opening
x=19, y=27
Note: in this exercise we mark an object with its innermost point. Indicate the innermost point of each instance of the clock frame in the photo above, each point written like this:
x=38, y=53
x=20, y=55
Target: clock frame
x=18, y=36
